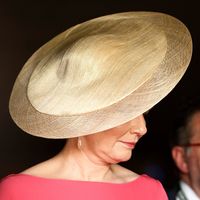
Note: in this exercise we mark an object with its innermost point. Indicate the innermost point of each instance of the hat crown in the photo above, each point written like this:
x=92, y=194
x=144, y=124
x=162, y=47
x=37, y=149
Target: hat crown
x=96, y=65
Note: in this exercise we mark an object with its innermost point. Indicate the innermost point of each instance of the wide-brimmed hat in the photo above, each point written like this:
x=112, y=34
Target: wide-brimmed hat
x=100, y=74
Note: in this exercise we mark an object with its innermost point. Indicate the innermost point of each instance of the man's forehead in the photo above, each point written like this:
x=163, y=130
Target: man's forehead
x=195, y=125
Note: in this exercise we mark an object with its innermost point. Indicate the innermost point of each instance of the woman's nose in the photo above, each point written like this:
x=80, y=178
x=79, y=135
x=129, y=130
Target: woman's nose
x=138, y=125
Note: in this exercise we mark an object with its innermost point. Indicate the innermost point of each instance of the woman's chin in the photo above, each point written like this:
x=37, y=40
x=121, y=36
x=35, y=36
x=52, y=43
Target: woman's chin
x=122, y=158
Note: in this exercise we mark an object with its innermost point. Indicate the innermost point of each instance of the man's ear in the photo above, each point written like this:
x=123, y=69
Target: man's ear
x=179, y=156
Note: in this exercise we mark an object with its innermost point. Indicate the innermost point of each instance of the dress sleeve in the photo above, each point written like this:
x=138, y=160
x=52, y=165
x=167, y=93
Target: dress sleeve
x=160, y=193
x=5, y=193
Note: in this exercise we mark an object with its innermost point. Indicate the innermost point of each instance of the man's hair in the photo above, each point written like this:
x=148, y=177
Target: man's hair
x=181, y=133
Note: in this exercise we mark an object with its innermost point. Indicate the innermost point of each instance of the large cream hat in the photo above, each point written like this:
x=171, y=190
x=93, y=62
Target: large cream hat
x=100, y=74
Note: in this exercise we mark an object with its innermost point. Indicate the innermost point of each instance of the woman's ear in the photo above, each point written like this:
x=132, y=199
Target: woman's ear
x=179, y=156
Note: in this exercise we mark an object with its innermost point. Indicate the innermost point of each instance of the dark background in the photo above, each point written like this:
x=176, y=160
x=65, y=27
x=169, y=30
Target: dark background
x=26, y=25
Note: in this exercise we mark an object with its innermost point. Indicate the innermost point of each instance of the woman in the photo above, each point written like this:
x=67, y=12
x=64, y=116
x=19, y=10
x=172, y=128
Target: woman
x=92, y=84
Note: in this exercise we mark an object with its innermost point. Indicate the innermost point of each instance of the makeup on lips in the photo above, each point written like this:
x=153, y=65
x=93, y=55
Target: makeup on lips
x=130, y=145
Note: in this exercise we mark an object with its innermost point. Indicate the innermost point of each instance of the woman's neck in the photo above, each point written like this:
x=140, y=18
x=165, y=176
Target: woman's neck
x=78, y=165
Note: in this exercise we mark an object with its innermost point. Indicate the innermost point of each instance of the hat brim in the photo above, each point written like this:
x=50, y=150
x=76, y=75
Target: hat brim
x=158, y=85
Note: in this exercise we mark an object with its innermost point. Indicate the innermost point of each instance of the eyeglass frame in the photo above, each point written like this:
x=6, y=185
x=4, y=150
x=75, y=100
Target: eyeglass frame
x=191, y=145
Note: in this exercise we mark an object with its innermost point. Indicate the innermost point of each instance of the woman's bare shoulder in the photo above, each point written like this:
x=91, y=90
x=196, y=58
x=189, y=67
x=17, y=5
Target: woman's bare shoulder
x=125, y=173
x=44, y=169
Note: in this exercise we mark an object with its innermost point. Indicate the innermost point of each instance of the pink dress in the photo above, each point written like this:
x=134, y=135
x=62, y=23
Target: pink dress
x=28, y=187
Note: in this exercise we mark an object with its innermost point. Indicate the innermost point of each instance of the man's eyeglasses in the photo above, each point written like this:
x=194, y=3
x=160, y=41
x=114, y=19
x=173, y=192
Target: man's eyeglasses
x=191, y=145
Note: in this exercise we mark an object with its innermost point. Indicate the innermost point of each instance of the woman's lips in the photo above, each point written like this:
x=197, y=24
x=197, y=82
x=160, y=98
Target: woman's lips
x=130, y=145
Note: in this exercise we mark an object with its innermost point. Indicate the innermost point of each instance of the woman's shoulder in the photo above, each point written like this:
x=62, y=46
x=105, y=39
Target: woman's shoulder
x=20, y=181
x=19, y=185
x=126, y=174
x=9, y=180
x=9, y=185
x=44, y=169
x=130, y=176
x=145, y=183
x=149, y=182
x=12, y=181
x=151, y=187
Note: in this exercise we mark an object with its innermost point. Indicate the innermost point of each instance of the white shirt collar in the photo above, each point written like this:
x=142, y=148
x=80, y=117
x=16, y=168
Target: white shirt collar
x=189, y=193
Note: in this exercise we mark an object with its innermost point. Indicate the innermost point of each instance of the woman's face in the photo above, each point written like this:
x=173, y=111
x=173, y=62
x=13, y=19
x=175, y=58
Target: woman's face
x=116, y=144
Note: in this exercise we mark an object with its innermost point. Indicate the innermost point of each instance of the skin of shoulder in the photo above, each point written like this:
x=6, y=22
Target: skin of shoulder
x=124, y=173
x=46, y=170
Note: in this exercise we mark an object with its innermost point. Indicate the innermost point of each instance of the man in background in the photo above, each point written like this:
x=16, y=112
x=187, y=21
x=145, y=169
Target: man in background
x=185, y=152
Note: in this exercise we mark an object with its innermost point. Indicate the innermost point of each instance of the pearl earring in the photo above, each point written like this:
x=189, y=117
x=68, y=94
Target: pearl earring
x=79, y=143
